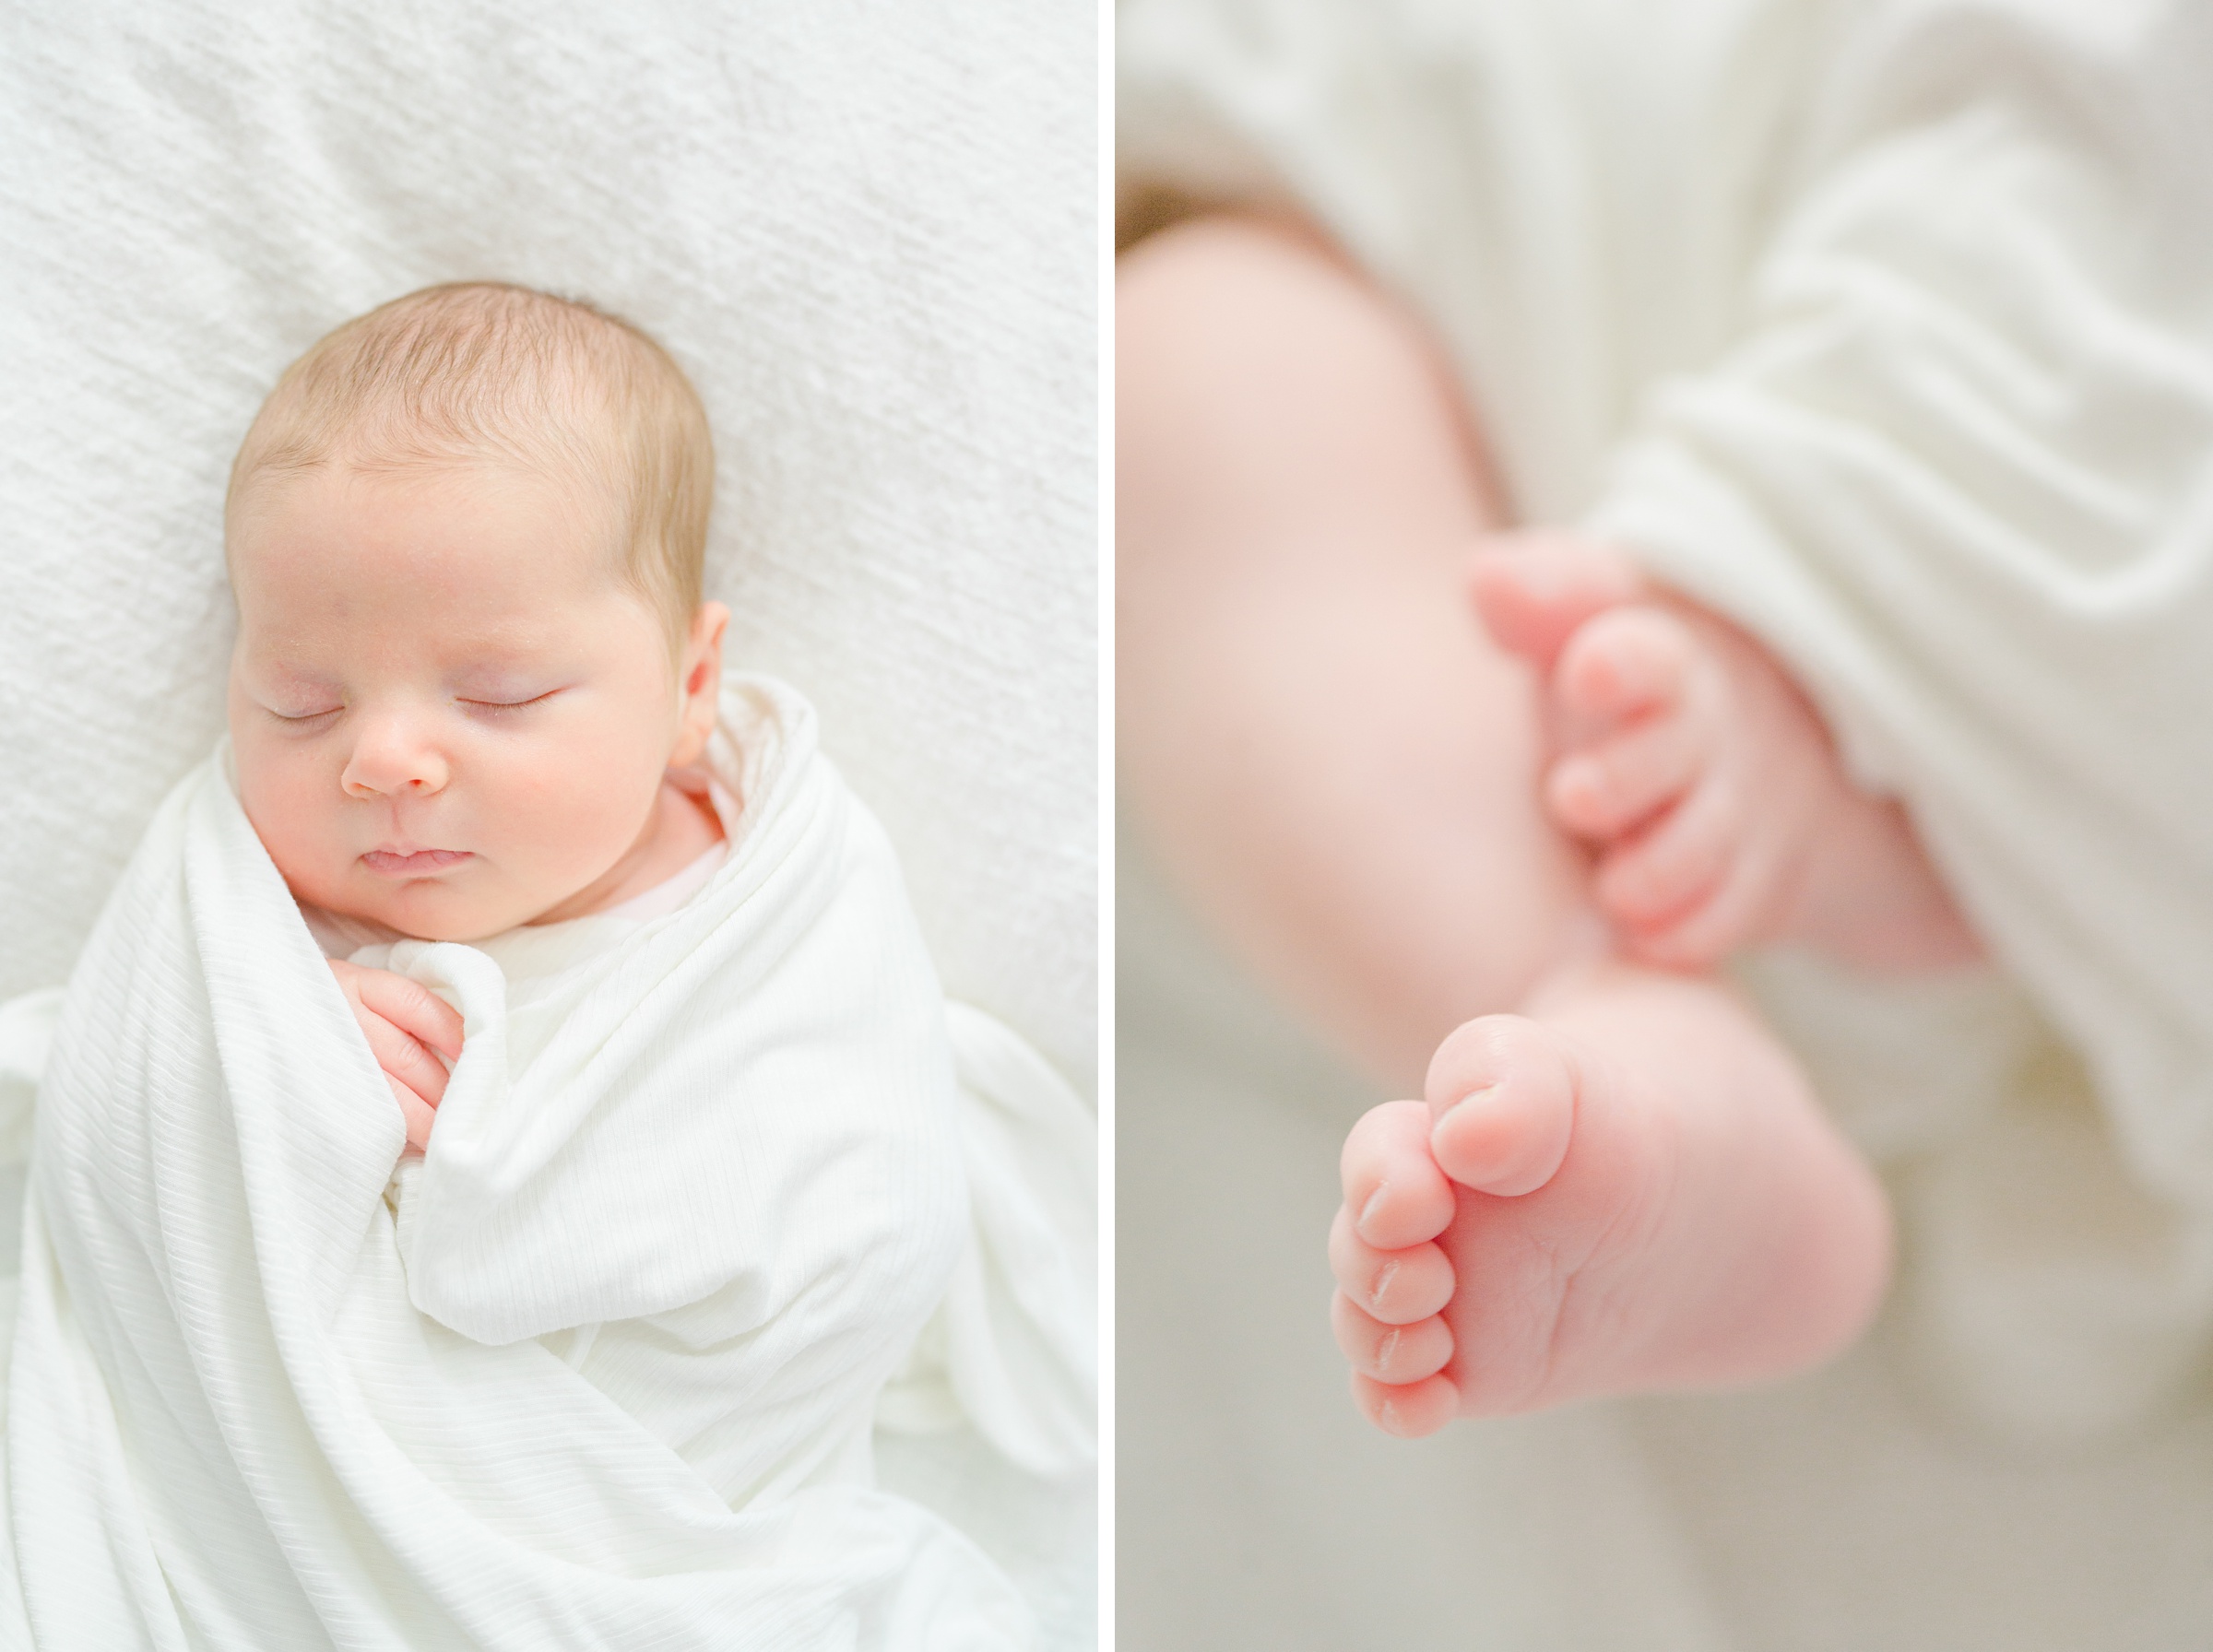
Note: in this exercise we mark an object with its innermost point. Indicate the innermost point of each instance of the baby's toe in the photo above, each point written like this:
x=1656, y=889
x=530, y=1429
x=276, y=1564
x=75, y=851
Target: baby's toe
x=1536, y=588
x=1631, y=659
x=1393, y=1188
x=1410, y=1409
x=1627, y=777
x=1730, y=917
x=1389, y=1353
x=1396, y=1287
x=1680, y=862
x=1501, y=1095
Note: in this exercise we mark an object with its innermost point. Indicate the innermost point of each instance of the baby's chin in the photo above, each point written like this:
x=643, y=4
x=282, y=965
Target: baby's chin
x=434, y=909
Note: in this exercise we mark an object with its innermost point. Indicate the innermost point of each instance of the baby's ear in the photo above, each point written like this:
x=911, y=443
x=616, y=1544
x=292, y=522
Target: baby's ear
x=700, y=685
x=703, y=652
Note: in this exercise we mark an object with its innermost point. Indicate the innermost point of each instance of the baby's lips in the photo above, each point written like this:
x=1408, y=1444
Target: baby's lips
x=413, y=864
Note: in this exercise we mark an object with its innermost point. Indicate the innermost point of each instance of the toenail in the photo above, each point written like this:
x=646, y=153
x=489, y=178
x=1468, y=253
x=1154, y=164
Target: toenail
x=1482, y=1093
x=1390, y=1273
x=1375, y=1203
x=1386, y=1416
x=1385, y=1349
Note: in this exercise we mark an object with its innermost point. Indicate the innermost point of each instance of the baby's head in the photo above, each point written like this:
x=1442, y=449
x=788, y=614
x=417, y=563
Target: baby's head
x=465, y=533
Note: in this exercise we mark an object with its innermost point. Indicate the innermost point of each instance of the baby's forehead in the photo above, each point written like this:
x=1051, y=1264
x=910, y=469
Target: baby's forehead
x=432, y=532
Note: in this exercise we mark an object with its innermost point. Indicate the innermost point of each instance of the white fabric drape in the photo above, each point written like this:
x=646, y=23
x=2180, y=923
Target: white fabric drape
x=600, y=1369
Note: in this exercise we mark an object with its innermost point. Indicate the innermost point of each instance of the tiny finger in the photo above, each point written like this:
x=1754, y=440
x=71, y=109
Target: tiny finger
x=419, y=1114
x=414, y=1009
x=403, y=1057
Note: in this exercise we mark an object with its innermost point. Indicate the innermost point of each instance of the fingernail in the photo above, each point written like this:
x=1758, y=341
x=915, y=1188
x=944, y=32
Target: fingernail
x=1385, y=1349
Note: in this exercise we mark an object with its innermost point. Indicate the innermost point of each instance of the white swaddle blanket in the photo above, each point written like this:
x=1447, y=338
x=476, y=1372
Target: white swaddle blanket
x=1882, y=328
x=600, y=1369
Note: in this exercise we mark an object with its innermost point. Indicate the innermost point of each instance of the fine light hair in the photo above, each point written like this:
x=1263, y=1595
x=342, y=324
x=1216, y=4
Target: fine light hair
x=481, y=372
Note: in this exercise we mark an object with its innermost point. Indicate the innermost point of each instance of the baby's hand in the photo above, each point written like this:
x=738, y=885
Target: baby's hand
x=409, y=1027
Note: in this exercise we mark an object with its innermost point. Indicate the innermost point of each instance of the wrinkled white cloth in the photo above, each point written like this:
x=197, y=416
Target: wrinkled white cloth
x=1882, y=328
x=1012, y=1350
x=600, y=1369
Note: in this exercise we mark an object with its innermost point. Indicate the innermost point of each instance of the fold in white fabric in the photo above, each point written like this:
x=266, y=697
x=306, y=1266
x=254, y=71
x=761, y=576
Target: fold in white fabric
x=600, y=1370
x=1882, y=328
x=1013, y=1347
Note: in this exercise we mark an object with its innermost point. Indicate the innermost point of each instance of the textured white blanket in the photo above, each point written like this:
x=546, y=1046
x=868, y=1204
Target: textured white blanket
x=601, y=1368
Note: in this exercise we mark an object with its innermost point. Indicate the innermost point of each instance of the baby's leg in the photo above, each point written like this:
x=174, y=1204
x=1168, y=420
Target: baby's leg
x=1335, y=763
x=1342, y=769
x=1685, y=756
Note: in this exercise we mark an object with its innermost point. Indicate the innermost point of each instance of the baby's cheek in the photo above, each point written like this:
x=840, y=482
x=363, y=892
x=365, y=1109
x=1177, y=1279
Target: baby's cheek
x=294, y=826
x=576, y=808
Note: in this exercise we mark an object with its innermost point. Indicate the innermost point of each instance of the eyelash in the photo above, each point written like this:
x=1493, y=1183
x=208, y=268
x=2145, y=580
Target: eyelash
x=510, y=705
x=481, y=705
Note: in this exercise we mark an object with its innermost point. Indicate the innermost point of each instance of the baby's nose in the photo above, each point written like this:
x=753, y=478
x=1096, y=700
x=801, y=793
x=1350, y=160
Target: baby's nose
x=389, y=760
x=362, y=788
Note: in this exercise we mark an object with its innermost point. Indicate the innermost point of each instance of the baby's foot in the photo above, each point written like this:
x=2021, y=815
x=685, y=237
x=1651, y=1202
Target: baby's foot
x=1703, y=778
x=1549, y=1226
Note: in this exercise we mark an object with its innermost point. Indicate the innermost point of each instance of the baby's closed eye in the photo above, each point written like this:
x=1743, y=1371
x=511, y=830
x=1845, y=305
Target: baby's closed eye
x=496, y=705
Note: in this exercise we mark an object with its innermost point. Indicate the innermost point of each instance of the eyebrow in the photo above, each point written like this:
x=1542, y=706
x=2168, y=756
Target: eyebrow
x=503, y=678
x=289, y=672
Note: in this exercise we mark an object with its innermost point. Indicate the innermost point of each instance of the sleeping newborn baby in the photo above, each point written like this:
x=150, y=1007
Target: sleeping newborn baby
x=473, y=671
x=596, y=1360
